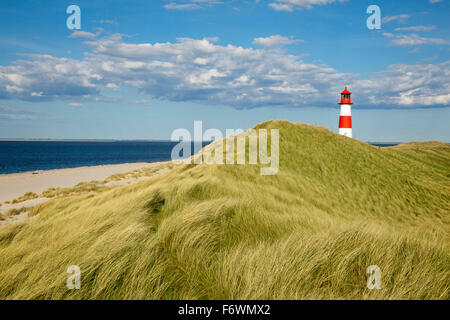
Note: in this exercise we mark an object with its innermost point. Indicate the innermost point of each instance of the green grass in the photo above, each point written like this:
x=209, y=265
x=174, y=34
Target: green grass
x=336, y=207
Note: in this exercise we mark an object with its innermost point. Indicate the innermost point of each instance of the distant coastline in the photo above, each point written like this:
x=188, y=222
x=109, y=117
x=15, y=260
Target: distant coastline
x=376, y=143
x=137, y=140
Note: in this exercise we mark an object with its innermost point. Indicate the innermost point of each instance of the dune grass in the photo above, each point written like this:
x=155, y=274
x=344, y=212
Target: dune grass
x=25, y=197
x=15, y=212
x=336, y=207
x=99, y=186
x=82, y=187
x=139, y=173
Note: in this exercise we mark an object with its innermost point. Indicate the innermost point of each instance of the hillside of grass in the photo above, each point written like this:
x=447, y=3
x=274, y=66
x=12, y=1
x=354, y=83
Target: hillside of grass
x=335, y=207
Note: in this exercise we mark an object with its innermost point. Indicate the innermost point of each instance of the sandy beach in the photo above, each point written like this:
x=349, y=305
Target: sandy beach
x=17, y=184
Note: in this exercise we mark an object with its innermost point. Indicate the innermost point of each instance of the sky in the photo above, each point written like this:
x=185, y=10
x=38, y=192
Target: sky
x=141, y=69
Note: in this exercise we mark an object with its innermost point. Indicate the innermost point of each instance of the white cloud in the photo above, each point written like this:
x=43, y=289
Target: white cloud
x=76, y=104
x=190, y=4
x=289, y=5
x=435, y=1
x=179, y=6
x=416, y=28
x=281, y=7
x=399, y=18
x=414, y=39
x=112, y=86
x=410, y=85
x=44, y=77
x=205, y=72
x=82, y=35
x=275, y=41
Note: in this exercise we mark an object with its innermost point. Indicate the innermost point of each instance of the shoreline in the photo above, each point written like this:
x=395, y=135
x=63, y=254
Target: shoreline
x=14, y=185
x=82, y=140
x=39, y=171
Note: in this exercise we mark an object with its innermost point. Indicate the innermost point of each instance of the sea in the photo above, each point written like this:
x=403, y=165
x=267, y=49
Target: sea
x=23, y=156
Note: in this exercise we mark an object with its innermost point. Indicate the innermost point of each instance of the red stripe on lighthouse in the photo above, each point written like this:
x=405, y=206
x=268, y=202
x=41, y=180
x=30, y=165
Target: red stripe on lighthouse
x=345, y=122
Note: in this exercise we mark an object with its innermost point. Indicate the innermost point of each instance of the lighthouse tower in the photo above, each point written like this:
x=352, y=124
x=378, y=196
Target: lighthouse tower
x=345, y=119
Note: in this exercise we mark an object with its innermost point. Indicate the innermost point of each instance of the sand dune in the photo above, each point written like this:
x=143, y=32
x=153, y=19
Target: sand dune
x=336, y=207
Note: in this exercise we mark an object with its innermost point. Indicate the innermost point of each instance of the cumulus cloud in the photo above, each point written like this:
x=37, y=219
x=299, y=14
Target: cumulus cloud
x=414, y=39
x=190, y=4
x=416, y=28
x=44, y=77
x=290, y=5
x=399, y=18
x=281, y=7
x=203, y=71
x=275, y=41
x=181, y=6
x=409, y=85
x=82, y=35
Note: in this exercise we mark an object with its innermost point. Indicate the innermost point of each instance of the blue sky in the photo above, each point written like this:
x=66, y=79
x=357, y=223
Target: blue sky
x=141, y=69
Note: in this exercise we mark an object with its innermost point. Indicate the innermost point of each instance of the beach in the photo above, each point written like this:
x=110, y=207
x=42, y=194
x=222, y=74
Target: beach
x=15, y=185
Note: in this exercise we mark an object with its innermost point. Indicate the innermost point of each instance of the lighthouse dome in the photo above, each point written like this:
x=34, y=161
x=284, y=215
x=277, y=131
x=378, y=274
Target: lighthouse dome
x=346, y=91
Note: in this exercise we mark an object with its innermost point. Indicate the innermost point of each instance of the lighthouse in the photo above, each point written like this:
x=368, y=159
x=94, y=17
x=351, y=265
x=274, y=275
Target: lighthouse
x=345, y=119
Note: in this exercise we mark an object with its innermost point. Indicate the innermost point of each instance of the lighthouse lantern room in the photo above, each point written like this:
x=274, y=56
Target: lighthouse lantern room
x=345, y=119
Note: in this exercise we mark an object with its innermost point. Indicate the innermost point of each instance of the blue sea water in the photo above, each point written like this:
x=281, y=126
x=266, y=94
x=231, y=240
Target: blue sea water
x=21, y=156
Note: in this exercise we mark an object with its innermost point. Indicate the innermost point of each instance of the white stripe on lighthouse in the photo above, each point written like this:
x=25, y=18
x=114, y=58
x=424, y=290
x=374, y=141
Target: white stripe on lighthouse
x=346, y=132
x=346, y=110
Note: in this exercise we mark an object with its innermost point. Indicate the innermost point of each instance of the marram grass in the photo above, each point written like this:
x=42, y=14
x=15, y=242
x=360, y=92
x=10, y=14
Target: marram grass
x=336, y=207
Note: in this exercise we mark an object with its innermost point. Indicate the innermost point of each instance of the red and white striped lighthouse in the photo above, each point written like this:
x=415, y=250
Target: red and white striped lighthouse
x=345, y=119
